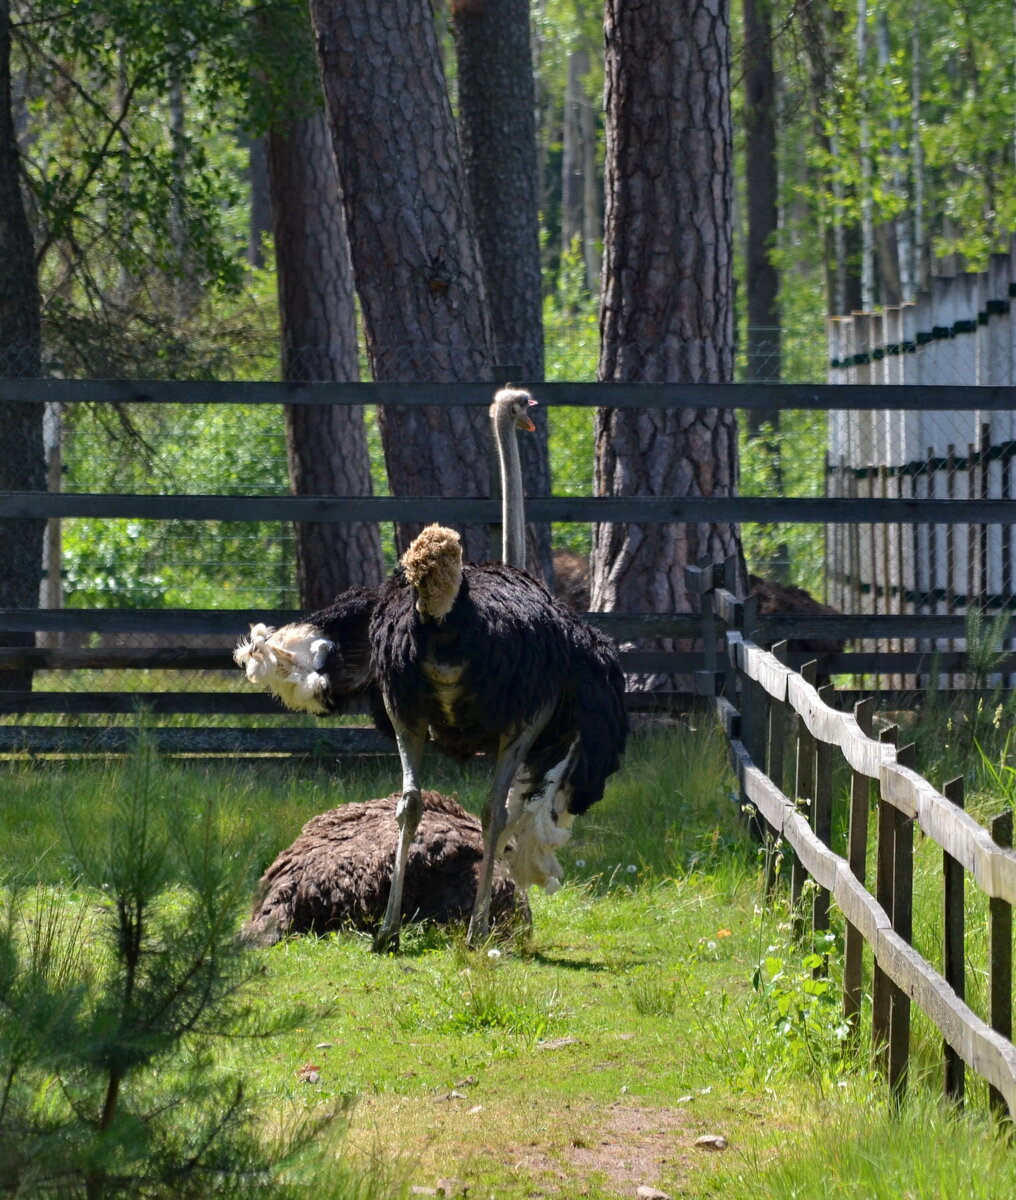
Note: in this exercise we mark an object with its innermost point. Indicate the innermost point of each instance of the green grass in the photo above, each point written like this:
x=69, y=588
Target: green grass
x=658, y=998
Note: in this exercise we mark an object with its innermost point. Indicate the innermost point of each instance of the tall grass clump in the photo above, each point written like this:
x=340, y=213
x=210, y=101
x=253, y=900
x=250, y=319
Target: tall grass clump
x=672, y=805
x=116, y=987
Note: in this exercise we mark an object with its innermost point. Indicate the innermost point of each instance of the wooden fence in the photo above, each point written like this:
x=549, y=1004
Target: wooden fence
x=780, y=727
x=180, y=632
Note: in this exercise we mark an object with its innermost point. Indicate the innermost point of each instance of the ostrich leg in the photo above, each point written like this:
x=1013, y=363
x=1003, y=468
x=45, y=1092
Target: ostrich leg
x=511, y=753
x=408, y=814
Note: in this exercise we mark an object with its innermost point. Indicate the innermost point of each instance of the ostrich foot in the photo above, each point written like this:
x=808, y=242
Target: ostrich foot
x=479, y=932
x=386, y=941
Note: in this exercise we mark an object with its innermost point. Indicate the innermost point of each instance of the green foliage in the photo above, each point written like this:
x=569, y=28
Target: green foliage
x=800, y=1008
x=112, y=995
x=788, y=461
x=647, y=1007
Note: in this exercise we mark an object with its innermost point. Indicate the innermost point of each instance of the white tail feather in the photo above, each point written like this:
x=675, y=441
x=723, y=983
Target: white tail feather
x=539, y=824
x=288, y=662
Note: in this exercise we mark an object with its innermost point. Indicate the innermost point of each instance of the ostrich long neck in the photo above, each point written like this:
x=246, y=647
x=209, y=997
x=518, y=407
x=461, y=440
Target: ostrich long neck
x=513, y=519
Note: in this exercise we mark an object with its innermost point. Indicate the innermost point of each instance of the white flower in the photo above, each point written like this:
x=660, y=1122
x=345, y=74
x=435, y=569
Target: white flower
x=580, y=863
x=494, y=953
x=631, y=868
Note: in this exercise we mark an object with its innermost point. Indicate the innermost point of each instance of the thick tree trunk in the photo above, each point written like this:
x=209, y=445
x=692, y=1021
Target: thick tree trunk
x=822, y=33
x=260, y=199
x=571, y=150
x=667, y=309
x=497, y=126
x=762, y=281
x=414, y=255
x=327, y=446
x=22, y=459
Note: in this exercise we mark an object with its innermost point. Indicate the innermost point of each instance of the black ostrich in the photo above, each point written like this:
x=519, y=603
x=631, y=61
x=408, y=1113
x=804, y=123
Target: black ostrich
x=476, y=659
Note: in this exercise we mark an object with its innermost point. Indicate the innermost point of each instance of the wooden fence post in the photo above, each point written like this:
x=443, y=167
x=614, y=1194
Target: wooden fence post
x=857, y=855
x=804, y=794
x=953, y=935
x=776, y=745
x=903, y=923
x=701, y=580
x=881, y=1002
x=822, y=813
x=1000, y=958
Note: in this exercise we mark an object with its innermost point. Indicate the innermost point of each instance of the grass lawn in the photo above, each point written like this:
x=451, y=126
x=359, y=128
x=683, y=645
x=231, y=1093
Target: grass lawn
x=586, y=1059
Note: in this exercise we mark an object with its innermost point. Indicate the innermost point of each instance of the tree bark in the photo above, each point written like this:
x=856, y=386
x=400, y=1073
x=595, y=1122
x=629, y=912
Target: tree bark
x=497, y=128
x=761, y=278
x=667, y=306
x=415, y=259
x=22, y=459
x=327, y=446
x=762, y=282
x=571, y=150
x=823, y=38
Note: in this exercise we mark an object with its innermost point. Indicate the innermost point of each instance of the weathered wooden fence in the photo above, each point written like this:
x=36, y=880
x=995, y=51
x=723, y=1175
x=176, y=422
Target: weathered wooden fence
x=784, y=734
x=201, y=640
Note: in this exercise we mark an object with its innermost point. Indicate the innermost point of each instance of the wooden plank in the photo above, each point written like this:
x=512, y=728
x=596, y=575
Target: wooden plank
x=993, y=867
x=766, y=670
x=903, y=922
x=1000, y=956
x=905, y=625
x=885, y=853
x=115, y=658
x=838, y=728
x=857, y=861
x=984, y=1050
x=888, y=662
x=665, y=661
x=235, y=622
x=456, y=510
x=822, y=817
x=794, y=397
x=804, y=796
x=954, y=955
x=219, y=703
x=323, y=739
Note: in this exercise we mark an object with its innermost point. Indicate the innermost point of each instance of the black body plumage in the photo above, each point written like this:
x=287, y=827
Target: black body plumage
x=513, y=647
x=516, y=648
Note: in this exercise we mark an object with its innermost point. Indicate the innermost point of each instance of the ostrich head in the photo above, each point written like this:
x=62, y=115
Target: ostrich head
x=511, y=405
x=433, y=566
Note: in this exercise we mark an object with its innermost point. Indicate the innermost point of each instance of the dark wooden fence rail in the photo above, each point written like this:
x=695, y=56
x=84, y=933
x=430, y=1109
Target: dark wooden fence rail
x=778, y=725
x=226, y=626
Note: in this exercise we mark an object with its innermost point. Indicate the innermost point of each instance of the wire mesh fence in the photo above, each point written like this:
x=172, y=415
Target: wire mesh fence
x=241, y=450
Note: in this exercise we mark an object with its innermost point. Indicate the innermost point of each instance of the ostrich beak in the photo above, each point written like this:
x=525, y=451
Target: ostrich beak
x=524, y=420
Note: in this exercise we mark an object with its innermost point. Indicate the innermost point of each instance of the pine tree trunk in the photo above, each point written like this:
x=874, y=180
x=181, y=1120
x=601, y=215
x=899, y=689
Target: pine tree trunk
x=762, y=191
x=22, y=459
x=667, y=310
x=571, y=150
x=497, y=127
x=327, y=446
x=415, y=259
x=823, y=37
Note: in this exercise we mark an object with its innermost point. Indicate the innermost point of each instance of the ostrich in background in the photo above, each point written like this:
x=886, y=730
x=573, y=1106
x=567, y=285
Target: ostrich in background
x=476, y=659
x=508, y=413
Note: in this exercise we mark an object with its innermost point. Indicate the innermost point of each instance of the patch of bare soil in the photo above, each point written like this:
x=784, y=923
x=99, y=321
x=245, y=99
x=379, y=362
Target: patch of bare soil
x=629, y=1147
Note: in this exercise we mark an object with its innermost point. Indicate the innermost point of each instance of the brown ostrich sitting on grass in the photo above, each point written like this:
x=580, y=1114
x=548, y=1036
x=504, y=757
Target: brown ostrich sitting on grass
x=337, y=873
x=474, y=659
